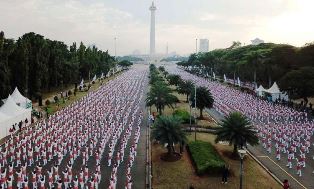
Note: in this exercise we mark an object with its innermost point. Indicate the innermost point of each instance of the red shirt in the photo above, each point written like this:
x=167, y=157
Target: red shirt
x=286, y=186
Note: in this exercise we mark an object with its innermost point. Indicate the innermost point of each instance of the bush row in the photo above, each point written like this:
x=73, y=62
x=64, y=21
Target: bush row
x=205, y=158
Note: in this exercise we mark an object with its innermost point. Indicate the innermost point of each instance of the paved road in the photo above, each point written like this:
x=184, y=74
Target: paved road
x=278, y=168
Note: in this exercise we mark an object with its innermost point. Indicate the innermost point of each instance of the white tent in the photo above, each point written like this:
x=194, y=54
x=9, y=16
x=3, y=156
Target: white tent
x=214, y=75
x=225, y=78
x=102, y=76
x=284, y=96
x=13, y=114
x=239, y=82
x=82, y=83
x=260, y=90
x=94, y=78
x=4, y=120
x=274, y=92
x=21, y=100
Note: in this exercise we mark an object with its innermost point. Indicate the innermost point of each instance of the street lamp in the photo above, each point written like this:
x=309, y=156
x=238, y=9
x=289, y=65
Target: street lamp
x=190, y=103
x=242, y=153
x=196, y=46
x=195, y=112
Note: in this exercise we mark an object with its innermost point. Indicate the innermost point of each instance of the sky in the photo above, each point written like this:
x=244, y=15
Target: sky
x=178, y=22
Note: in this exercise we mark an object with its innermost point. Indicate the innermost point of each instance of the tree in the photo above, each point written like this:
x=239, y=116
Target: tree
x=204, y=99
x=125, y=64
x=5, y=51
x=237, y=130
x=254, y=59
x=186, y=88
x=161, y=68
x=174, y=79
x=168, y=131
x=299, y=82
x=35, y=64
x=160, y=96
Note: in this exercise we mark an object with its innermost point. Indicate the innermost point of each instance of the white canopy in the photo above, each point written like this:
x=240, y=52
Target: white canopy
x=94, y=78
x=21, y=100
x=225, y=78
x=82, y=83
x=11, y=114
x=239, y=82
x=260, y=90
x=214, y=75
x=273, y=89
x=102, y=75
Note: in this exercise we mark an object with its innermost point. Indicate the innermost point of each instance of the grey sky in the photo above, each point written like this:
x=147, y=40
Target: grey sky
x=178, y=22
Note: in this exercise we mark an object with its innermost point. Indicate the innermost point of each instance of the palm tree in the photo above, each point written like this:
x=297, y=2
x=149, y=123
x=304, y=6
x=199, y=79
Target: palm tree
x=174, y=79
x=186, y=88
x=204, y=99
x=237, y=130
x=168, y=131
x=160, y=96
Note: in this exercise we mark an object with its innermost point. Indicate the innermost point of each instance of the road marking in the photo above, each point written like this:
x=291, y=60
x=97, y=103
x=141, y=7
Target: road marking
x=261, y=156
x=284, y=171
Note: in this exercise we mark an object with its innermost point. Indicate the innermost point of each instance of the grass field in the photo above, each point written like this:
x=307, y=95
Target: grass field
x=181, y=174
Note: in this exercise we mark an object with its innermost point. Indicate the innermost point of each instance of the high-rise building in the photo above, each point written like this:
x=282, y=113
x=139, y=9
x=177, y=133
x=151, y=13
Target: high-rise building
x=204, y=45
x=152, y=9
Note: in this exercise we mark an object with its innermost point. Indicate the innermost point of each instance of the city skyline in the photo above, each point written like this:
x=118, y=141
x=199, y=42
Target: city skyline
x=97, y=22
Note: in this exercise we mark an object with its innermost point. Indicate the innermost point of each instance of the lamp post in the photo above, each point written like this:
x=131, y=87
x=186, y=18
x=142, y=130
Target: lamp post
x=242, y=153
x=195, y=112
x=190, y=103
x=196, y=46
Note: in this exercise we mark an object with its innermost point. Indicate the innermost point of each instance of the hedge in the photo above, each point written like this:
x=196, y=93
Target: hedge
x=205, y=158
x=183, y=115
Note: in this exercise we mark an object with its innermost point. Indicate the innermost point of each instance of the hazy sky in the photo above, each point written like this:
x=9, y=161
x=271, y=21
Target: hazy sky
x=178, y=22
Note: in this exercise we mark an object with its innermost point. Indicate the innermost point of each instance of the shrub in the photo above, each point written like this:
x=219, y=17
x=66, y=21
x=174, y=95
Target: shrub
x=183, y=115
x=49, y=110
x=47, y=102
x=205, y=158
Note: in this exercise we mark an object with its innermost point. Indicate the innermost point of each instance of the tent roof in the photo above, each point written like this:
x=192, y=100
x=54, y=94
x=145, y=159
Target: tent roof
x=273, y=89
x=260, y=89
x=18, y=97
x=4, y=117
x=10, y=108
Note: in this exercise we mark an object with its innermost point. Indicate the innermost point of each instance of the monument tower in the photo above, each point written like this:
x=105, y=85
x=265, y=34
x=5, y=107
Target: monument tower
x=152, y=9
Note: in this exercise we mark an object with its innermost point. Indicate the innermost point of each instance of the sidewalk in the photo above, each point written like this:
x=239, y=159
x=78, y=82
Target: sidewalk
x=276, y=167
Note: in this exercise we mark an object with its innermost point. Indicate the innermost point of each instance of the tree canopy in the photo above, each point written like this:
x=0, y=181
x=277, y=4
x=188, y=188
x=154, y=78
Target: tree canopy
x=263, y=63
x=160, y=94
x=125, y=64
x=236, y=129
x=168, y=130
x=35, y=64
x=204, y=99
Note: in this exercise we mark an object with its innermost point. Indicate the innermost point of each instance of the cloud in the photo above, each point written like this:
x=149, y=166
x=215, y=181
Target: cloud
x=208, y=17
x=178, y=22
x=70, y=21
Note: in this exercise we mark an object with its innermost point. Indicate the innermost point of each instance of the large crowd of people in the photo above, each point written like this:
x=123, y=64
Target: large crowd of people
x=84, y=145
x=283, y=131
